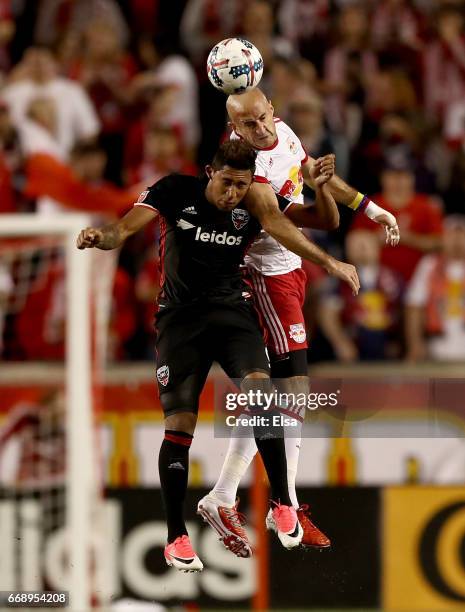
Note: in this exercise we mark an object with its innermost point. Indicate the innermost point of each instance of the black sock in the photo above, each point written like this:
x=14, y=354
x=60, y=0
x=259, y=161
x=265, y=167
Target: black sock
x=173, y=467
x=273, y=453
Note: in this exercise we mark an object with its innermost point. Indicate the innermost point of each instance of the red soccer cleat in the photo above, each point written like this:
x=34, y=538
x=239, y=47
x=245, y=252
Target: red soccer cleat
x=313, y=537
x=227, y=522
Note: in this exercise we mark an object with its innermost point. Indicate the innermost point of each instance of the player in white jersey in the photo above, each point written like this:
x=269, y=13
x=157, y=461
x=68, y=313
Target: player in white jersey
x=282, y=167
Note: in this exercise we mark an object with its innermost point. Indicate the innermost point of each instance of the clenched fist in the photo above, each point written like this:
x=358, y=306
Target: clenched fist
x=323, y=169
x=89, y=238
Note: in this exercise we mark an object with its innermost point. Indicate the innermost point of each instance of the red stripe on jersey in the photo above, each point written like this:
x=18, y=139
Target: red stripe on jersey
x=162, y=251
x=305, y=159
x=260, y=179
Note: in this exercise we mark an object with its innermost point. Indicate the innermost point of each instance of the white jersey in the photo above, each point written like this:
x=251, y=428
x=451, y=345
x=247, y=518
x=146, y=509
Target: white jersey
x=280, y=166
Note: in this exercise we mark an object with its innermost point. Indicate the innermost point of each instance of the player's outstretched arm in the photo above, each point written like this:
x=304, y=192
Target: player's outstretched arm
x=350, y=197
x=323, y=214
x=112, y=236
x=262, y=204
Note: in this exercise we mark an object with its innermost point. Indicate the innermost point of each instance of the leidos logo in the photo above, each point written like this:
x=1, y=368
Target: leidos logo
x=223, y=238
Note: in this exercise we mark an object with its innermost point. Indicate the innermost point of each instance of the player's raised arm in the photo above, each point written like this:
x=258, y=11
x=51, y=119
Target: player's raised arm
x=348, y=196
x=262, y=204
x=112, y=236
x=323, y=214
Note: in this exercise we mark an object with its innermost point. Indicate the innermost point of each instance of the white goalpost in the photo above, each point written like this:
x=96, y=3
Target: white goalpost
x=81, y=467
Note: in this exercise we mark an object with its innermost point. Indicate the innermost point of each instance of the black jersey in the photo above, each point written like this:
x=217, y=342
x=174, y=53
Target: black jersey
x=201, y=247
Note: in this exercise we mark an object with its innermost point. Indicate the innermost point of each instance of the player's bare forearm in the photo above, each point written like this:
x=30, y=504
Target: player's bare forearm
x=340, y=190
x=262, y=204
x=323, y=214
x=113, y=236
x=350, y=197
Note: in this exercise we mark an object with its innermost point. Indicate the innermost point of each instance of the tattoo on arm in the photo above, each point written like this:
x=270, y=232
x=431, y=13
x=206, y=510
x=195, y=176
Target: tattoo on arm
x=111, y=237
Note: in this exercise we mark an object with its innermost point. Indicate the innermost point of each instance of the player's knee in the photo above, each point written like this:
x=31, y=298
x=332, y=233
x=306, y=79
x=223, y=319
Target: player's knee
x=256, y=381
x=181, y=421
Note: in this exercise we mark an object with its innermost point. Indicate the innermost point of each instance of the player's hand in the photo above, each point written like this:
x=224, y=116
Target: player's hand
x=345, y=272
x=89, y=238
x=389, y=222
x=323, y=169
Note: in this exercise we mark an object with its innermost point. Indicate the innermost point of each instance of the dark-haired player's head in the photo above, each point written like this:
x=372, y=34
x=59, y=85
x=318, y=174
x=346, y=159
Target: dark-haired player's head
x=252, y=117
x=231, y=174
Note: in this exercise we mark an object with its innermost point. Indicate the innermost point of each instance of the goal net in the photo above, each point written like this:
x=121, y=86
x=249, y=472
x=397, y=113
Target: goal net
x=50, y=478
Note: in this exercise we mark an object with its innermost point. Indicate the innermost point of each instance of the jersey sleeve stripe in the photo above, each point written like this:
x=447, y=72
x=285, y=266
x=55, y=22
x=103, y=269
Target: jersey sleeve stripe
x=260, y=179
x=144, y=205
x=305, y=159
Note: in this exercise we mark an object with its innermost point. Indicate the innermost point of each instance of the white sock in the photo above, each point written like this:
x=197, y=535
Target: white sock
x=292, y=458
x=241, y=451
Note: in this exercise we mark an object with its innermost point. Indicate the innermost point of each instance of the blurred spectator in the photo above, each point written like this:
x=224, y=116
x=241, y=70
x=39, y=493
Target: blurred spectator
x=401, y=136
x=161, y=156
x=147, y=285
x=258, y=27
x=307, y=119
x=155, y=117
x=348, y=68
x=37, y=76
x=285, y=81
x=419, y=218
x=6, y=287
x=454, y=196
x=397, y=23
x=444, y=64
x=10, y=161
x=390, y=91
x=173, y=79
x=7, y=30
x=360, y=327
x=57, y=18
x=39, y=130
x=41, y=324
x=39, y=432
x=105, y=69
x=77, y=185
x=435, y=314
x=305, y=24
x=206, y=22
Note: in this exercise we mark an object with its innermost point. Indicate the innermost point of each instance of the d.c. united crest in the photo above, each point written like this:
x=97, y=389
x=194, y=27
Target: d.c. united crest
x=163, y=375
x=240, y=217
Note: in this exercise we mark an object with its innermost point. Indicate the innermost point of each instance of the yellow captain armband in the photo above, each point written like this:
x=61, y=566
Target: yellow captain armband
x=356, y=201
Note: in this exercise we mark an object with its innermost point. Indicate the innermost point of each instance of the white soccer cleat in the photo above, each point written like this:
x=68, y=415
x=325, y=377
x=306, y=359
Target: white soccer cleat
x=283, y=520
x=227, y=522
x=181, y=555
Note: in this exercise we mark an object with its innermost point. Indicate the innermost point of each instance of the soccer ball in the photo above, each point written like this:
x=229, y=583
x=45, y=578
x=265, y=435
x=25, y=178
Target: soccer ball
x=234, y=66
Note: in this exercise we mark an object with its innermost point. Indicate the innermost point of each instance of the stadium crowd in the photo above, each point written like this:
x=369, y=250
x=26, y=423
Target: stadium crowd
x=99, y=98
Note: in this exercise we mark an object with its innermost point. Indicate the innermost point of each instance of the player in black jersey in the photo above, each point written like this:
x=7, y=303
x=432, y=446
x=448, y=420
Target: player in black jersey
x=206, y=314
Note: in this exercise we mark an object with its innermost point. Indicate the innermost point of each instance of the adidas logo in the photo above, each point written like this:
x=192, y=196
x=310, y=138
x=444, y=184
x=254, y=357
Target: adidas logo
x=190, y=210
x=176, y=466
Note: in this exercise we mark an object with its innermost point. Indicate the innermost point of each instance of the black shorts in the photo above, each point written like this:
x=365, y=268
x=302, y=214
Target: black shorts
x=190, y=338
